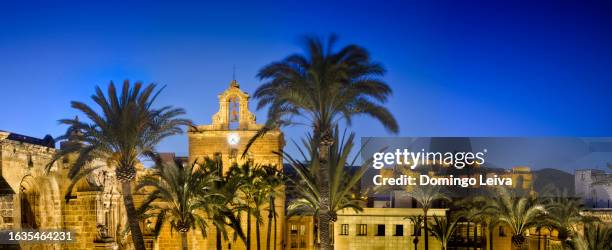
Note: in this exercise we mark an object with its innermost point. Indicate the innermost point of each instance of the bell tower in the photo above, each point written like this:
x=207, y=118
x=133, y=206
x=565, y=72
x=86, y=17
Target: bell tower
x=228, y=133
x=234, y=113
x=231, y=129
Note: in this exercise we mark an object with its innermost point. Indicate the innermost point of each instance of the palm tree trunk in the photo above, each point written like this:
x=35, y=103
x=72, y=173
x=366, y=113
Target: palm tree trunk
x=491, y=238
x=132, y=215
x=219, y=243
x=248, y=241
x=517, y=241
x=258, y=233
x=315, y=229
x=275, y=230
x=324, y=210
x=269, y=222
x=468, y=234
x=426, y=227
x=184, y=241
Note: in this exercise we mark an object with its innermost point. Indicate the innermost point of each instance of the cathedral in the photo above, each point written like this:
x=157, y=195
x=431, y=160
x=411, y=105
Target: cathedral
x=33, y=195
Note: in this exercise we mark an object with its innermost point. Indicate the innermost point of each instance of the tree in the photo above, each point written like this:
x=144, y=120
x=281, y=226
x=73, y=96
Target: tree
x=125, y=129
x=596, y=236
x=474, y=210
x=491, y=222
x=425, y=196
x=563, y=214
x=227, y=214
x=273, y=180
x=344, y=177
x=417, y=223
x=443, y=228
x=517, y=212
x=254, y=194
x=181, y=194
x=319, y=89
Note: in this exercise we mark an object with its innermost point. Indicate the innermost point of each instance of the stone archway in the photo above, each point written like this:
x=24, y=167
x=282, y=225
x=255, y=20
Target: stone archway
x=39, y=203
x=29, y=203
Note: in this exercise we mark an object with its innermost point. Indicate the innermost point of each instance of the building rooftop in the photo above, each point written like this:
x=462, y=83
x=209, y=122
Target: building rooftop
x=46, y=141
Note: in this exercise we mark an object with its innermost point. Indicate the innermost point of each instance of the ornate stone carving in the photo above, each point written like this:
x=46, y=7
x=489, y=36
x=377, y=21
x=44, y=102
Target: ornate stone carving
x=233, y=107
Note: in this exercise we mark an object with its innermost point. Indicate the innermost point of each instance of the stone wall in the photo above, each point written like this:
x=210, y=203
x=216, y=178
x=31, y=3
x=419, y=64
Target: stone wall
x=6, y=211
x=80, y=217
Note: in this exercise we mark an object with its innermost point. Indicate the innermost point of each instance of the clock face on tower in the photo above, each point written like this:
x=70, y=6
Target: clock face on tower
x=233, y=139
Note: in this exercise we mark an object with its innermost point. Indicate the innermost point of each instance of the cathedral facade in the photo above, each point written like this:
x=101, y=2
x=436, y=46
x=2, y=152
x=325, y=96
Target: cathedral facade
x=33, y=193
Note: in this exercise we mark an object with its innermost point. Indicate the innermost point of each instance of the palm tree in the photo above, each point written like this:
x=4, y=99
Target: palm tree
x=273, y=180
x=517, y=212
x=443, y=228
x=596, y=236
x=491, y=222
x=474, y=210
x=260, y=197
x=417, y=222
x=563, y=215
x=254, y=194
x=181, y=194
x=226, y=216
x=244, y=178
x=125, y=129
x=426, y=196
x=319, y=89
x=344, y=178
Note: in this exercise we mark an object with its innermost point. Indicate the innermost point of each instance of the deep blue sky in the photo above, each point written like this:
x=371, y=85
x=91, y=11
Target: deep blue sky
x=457, y=68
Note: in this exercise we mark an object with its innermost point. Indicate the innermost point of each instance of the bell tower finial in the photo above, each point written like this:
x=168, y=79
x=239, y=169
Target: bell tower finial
x=234, y=83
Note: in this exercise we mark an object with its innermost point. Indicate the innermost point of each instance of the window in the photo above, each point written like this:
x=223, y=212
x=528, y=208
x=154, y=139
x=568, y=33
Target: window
x=302, y=230
x=362, y=229
x=344, y=228
x=501, y=231
x=294, y=230
x=399, y=230
x=380, y=230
